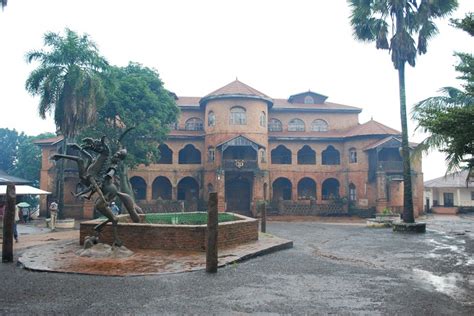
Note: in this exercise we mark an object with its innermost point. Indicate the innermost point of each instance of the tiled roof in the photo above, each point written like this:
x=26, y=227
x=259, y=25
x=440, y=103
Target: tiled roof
x=237, y=88
x=6, y=178
x=371, y=128
x=48, y=141
x=188, y=101
x=284, y=104
x=453, y=180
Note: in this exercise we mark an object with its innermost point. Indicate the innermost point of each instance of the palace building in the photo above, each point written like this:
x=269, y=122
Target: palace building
x=302, y=155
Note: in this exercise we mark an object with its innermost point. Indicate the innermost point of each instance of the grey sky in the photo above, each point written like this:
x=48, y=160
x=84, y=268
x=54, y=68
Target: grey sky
x=278, y=47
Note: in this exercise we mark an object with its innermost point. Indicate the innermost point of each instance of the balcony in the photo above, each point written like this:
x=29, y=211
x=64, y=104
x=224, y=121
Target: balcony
x=239, y=164
x=390, y=166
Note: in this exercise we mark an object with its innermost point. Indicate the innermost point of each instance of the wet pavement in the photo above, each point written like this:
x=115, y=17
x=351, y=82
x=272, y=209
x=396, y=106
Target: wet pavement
x=333, y=268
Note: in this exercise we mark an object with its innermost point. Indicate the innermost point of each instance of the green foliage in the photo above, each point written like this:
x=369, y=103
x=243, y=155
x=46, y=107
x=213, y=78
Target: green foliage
x=19, y=156
x=135, y=98
x=67, y=80
x=410, y=21
x=449, y=118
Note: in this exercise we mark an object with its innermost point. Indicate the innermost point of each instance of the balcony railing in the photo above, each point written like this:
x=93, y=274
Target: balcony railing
x=390, y=166
x=239, y=164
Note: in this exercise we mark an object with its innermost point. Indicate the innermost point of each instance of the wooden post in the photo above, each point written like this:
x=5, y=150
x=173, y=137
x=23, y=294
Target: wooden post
x=263, y=214
x=8, y=219
x=212, y=226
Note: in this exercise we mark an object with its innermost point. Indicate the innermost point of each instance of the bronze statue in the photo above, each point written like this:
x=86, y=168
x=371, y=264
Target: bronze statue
x=98, y=174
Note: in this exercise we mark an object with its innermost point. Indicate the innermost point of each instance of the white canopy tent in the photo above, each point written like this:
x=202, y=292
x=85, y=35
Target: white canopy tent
x=23, y=190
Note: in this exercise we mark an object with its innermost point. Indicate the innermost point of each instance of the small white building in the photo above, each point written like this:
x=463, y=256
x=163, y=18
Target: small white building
x=444, y=195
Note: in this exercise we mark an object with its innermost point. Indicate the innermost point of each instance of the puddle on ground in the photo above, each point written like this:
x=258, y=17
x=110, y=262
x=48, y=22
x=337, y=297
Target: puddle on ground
x=454, y=285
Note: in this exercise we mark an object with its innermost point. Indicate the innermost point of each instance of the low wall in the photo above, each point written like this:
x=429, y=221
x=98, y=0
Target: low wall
x=444, y=210
x=307, y=207
x=173, y=237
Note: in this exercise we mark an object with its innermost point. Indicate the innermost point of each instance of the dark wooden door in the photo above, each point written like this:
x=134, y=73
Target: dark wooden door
x=238, y=196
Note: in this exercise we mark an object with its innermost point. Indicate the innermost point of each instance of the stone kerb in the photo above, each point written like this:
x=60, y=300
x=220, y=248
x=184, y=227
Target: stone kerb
x=173, y=237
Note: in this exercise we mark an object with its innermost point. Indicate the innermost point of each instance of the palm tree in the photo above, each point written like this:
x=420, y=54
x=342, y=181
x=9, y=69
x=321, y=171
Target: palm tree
x=68, y=82
x=372, y=21
x=3, y=3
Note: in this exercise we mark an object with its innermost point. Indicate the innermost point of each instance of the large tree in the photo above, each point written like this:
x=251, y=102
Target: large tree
x=10, y=141
x=135, y=98
x=68, y=82
x=449, y=118
x=409, y=24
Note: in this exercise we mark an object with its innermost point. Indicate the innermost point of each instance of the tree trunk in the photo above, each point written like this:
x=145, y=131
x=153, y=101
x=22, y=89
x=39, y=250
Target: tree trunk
x=408, y=214
x=60, y=180
x=8, y=222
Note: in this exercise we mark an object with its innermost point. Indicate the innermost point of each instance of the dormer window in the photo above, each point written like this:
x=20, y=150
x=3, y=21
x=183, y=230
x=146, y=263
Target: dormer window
x=308, y=100
x=238, y=116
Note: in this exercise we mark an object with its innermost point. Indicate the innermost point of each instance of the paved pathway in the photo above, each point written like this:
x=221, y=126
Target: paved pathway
x=333, y=268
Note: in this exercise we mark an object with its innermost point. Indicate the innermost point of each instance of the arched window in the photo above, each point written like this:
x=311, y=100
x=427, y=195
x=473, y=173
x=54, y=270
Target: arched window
x=307, y=189
x=319, y=126
x=275, y=125
x=281, y=189
x=281, y=155
x=189, y=155
x=296, y=125
x=352, y=193
x=331, y=156
x=263, y=119
x=330, y=189
x=194, y=124
x=166, y=155
x=308, y=100
x=306, y=156
x=238, y=116
x=211, y=154
x=263, y=155
x=138, y=187
x=161, y=188
x=352, y=155
x=211, y=119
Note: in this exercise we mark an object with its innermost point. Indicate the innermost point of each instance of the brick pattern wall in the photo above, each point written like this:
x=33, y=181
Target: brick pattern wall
x=174, y=237
x=306, y=208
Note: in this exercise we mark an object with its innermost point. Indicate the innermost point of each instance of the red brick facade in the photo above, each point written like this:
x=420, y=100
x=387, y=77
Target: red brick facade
x=252, y=148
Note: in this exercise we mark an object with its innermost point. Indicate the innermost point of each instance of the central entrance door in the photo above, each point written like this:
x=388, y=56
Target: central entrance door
x=238, y=192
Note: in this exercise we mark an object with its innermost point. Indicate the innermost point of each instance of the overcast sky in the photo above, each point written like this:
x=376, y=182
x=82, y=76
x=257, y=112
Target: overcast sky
x=278, y=47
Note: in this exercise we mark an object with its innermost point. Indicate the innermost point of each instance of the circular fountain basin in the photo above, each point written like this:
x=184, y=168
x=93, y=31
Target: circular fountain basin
x=173, y=231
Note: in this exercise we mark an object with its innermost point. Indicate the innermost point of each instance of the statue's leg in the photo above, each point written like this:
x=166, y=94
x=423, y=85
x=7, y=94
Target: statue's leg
x=131, y=207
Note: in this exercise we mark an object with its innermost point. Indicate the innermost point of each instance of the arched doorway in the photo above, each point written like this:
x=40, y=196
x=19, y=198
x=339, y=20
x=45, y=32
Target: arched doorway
x=161, y=189
x=188, y=189
x=138, y=187
x=238, y=194
x=330, y=189
x=307, y=189
x=281, y=189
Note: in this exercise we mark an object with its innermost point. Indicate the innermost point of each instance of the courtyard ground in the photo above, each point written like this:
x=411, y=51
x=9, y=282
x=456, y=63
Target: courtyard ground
x=336, y=266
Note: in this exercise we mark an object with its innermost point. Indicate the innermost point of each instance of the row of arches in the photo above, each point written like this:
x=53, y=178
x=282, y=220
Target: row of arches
x=307, y=156
x=307, y=189
x=280, y=155
x=298, y=125
x=188, y=189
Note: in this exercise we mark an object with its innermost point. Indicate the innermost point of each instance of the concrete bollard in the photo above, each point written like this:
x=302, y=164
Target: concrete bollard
x=212, y=227
x=8, y=219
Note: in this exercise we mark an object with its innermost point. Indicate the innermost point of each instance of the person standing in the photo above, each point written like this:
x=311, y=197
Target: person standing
x=17, y=219
x=53, y=213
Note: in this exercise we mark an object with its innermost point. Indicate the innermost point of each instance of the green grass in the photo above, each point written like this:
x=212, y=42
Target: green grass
x=199, y=218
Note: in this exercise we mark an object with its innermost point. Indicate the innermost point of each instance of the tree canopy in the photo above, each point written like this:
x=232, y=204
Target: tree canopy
x=67, y=80
x=135, y=98
x=449, y=118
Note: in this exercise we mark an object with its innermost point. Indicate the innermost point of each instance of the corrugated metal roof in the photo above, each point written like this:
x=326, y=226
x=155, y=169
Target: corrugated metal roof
x=452, y=180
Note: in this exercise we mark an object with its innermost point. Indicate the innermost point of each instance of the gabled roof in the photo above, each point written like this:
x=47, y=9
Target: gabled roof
x=240, y=141
x=453, y=180
x=236, y=89
x=371, y=128
x=318, y=98
x=6, y=178
x=388, y=140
